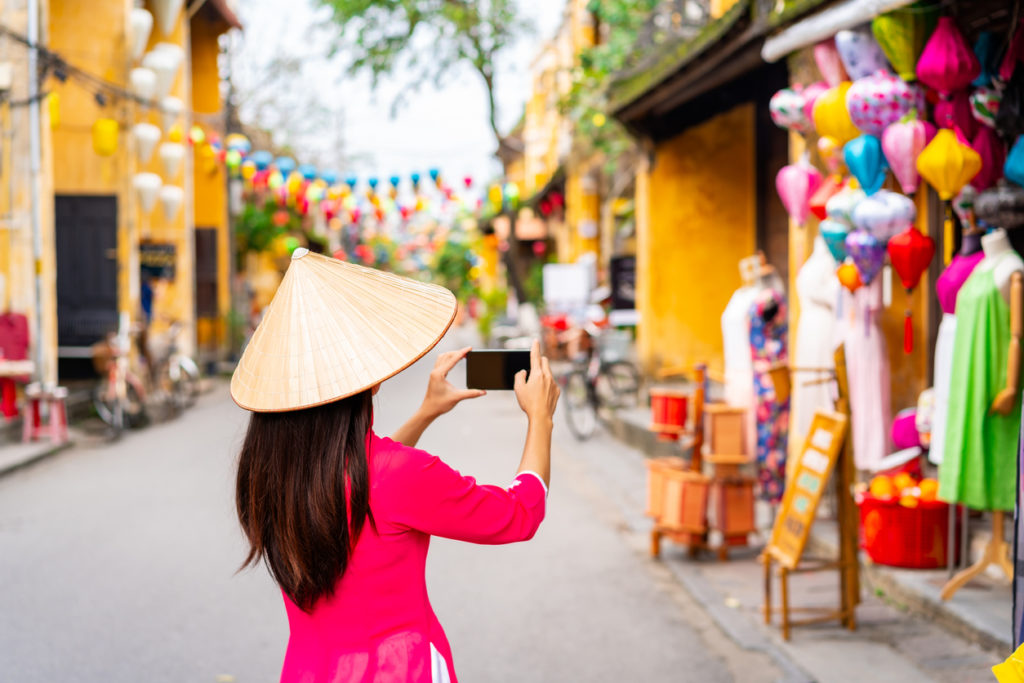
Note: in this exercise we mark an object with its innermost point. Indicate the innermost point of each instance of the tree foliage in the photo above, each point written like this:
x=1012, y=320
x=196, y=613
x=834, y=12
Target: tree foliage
x=428, y=39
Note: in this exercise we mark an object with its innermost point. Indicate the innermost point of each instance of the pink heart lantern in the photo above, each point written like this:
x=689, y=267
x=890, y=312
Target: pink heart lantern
x=902, y=142
x=860, y=52
x=787, y=110
x=795, y=184
x=878, y=100
x=954, y=112
x=810, y=95
x=947, y=62
x=990, y=148
x=826, y=56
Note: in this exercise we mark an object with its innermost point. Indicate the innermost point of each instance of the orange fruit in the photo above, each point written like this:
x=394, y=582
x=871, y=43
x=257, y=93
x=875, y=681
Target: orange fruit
x=929, y=489
x=903, y=481
x=882, y=487
x=909, y=501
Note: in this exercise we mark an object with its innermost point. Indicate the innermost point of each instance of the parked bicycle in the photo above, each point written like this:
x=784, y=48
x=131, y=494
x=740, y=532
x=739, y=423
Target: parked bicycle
x=601, y=378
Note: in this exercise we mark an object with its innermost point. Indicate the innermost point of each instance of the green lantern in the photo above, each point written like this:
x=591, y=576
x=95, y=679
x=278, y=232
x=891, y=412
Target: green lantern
x=902, y=34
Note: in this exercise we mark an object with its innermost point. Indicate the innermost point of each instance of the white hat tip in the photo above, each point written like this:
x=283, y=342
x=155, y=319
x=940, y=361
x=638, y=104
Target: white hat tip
x=299, y=253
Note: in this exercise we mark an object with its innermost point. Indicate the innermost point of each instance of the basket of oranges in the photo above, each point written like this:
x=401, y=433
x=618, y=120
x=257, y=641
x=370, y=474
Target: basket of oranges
x=902, y=522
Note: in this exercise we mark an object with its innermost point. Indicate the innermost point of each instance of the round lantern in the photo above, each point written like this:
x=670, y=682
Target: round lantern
x=787, y=110
x=867, y=253
x=1013, y=169
x=901, y=33
x=910, y=252
x=171, y=155
x=884, y=214
x=878, y=100
x=864, y=158
x=104, y=137
x=141, y=22
x=795, y=184
x=902, y=142
x=826, y=56
x=840, y=207
x=831, y=118
x=860, y=53
x=167, y=12
x=990, y=148
x=947, y=164
x=947, y=62
x=1002, y=206
x=985, y=105
x=262, y=159
x=834, y=233
x=285, y=165
x=142, y=82
x=307, y=171
x=811, y=93
x=147, y=187
x=146, y=135
x=171, y=198
x=849, y=276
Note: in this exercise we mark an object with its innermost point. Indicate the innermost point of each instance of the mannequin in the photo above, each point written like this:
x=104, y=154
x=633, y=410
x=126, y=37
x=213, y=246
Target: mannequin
x=979, y=464
x=817, y=287
x=768, y=317
x=947, y=287
x=739, y=377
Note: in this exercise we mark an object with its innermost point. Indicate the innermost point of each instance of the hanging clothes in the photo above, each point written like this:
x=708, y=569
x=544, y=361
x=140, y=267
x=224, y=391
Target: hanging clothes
x=768, y=318
x=867, y=367
x=979, y=469
x=739, y=373
x=947, y=286
x=817, y=289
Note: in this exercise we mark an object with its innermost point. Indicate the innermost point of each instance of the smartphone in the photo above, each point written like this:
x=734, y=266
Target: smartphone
x=495, y=368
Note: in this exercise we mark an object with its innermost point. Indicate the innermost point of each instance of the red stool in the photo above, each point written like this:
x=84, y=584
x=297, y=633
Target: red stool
x=53, y=398
x=8, y=398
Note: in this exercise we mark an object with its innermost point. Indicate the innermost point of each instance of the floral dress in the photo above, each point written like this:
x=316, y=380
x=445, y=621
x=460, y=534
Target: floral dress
x=768, y=329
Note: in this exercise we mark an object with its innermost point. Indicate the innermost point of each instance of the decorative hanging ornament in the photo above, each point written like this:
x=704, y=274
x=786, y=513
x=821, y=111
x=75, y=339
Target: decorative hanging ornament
x=171, y=108
x=902, y=33
x=1001, y=206
x=239, y=143
x=910, y=252
x=864, y=158
x=860, y=53
x=171, y=156
x=840, y=207
x=954, y=112
x=849, y=276
x=831, y=118
x=902, y=142
x=165, y=61
x=986, y=49
x=826, y=56
x=171, y=198
x=867, y=252
x=829, y=187
x=104, y=137
x=141, y=22
x=795, y=184
x=787, y=110
x=947, y=164
x=985, y=105
x=1014, y=53
x=147, y=186
x=166, y=12
x=880, y=99
x=262, y=159
x=142, y=82
x=831, y=153
x=1013, y=169
x=963, y=206
x=285, y=165
x=811, y=93
x=947, y=62
x=990, y=148
x=146, y=135
x=307, y=171
x=468, y=181
x=884, y=214
x=834, y=233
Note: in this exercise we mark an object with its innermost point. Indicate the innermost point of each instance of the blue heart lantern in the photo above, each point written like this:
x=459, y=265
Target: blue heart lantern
x=834, y=233
x=1013, y=169
x=866, y=162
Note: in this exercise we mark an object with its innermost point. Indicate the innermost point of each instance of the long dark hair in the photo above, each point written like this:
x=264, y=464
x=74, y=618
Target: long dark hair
x=303, y=493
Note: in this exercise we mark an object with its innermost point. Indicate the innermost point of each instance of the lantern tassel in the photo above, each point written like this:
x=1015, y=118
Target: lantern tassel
x=947, y=236
x=908, y=333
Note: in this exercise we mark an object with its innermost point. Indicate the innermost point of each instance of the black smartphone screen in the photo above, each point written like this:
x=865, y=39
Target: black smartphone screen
x=495, y=368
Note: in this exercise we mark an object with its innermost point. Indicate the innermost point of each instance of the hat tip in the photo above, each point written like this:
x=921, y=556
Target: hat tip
x=299, y=253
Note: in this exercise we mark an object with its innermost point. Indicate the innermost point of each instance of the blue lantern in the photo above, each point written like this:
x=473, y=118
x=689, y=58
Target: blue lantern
x=351, y=180
x=372, y=182
x=834, y=233
x=285, y=165
x=329, y=176
x=986, y=49
x=308, y=171
x=394, y=180
x=415, y=178
x=1014, y=167
x=262, y=159
x=864, y=158
x=435, y=173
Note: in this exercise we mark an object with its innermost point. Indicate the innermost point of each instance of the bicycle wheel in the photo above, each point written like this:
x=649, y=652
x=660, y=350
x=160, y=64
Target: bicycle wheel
x=618, y=384
x=580, y=411
x=108, y=408
x=184, y=382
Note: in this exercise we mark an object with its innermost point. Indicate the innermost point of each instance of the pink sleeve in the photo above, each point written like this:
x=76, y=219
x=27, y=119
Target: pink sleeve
x=429, y=496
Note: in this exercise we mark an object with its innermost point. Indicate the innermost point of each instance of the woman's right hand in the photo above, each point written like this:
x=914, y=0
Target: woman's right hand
x=538, y=394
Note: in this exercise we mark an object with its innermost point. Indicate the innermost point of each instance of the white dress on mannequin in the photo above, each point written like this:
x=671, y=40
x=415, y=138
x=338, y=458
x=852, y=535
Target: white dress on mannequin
x=739, y=369
x=817, y=289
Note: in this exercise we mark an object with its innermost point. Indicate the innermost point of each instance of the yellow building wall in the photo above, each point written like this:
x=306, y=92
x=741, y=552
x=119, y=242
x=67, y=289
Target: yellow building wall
x=582, y=205
x=695, y=220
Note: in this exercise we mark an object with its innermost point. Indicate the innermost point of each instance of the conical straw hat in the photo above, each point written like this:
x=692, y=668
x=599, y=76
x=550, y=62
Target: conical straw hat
x=334, y=329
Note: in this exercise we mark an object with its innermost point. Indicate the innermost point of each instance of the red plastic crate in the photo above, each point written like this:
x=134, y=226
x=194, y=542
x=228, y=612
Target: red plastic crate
x=898, y=536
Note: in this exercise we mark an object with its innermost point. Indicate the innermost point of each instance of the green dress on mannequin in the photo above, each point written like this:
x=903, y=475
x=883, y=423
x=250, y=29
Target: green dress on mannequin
x=979, y=466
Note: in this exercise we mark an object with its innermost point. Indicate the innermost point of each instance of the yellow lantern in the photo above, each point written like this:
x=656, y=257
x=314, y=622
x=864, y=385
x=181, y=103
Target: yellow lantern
x=248, y=169
x=175, y=134
x=104, y=137
x=494, y=194
x=831, y=117
x=948, y=164
x=294, y=183
x=53, y=109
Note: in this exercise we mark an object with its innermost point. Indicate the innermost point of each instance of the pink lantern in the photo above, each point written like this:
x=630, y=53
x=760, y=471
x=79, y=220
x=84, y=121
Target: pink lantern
x=947, y=63
x=954, y=112
x=826, y=56
x=990, y=148
x=878, y=100
x=795, y=184
x=810, y=95
x=901, y=143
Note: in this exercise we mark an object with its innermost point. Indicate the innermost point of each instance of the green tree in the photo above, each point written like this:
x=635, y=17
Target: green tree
x=427, y=38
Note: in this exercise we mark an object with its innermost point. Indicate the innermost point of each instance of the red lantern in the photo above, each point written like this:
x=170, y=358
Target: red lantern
x=910, y=253
x=545, y=207
x=340, y=255
x=280, y=218
x=831, y=186
x=468, y=181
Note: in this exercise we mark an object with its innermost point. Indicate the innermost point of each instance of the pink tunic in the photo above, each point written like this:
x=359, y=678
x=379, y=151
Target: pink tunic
x=379, y=625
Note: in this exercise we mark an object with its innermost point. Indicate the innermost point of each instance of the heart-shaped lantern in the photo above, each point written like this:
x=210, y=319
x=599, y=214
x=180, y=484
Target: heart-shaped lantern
x=826, y=56
x=834, y=233
x=1013, y=169
x=867, y=252
x=910, y=252
x=902, y=33
x=884, y=214
x=860, y=53
x=849, y=276
x=902, y=142
x=947, y=62
x=840, y=207
x=948, y=164
x=831, y=118
x=795, y=184
x=1002, y=206
x=787, y=110
x=954, y=112
x=864, y=158
x=878, y=100
x=990, y=148
x=829, y=187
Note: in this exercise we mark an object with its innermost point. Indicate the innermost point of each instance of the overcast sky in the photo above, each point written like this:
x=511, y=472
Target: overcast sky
x=444, y=127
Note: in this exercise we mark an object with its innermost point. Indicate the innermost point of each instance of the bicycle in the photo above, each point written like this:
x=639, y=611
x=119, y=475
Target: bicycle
x=602, y=378
x=175, y=373
x=119, y=396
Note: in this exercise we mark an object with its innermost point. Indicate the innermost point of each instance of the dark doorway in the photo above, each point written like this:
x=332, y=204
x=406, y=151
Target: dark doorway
x=772, y=155
x=206, y=273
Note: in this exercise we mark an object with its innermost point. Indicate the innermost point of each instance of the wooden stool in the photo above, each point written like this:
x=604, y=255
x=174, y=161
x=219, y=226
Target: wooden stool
x=52, y=401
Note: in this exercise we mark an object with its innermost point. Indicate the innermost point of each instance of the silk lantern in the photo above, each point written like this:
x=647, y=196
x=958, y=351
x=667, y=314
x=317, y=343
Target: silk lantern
x=1013, y=169
x=171, y=198
x=985, y=105
x=166, y=12
x=829, y=187
x=849, y=276
x=831, y=118
x=954, y=112
x=141, y=22
x=262, y=159
x=864, y=158
x=840, y=207
x=884, y=214
x=170, y=109
x=990, y=148
x=285, y=165
x=104, y=137
x=867, y=253
x=986, y=49
x=860, y=53
x=901, y=33
x=947, y=164
x=146, y=135
x=1001, y=206
x=171, y=155
x=147, y=186
x=810, y=94
x=947, y=62
x=164, y=61
x=142, y=82
x=902, y=142
x=963, y=207
x=831, y=153
x=795, y=184
x=910, y=252
x=787, y=110
x=834, y=233
x=826, y=56
x=880, y=99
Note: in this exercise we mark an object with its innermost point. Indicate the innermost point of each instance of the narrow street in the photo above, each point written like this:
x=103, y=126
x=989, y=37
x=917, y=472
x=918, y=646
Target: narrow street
x=118, y=564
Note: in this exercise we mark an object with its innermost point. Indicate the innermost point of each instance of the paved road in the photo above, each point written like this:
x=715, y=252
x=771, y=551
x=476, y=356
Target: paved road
x=117, y=563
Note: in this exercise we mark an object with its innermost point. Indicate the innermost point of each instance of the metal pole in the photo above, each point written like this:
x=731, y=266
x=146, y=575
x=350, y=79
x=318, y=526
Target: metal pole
x=35, y=164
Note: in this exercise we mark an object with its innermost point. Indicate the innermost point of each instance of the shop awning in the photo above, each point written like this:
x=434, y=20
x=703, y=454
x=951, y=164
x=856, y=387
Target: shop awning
x=825, y=24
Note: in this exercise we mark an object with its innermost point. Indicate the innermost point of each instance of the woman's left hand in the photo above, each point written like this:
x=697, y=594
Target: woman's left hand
x=442, y=396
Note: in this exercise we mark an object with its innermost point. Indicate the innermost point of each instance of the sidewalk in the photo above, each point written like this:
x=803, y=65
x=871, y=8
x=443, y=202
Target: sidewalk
x=904, y=633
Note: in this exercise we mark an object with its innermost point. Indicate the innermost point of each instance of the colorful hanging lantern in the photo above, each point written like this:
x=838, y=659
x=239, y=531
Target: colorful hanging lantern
x=394, y=181
x=171, y=198
x=307, y=171
x=329, y=176
x=165, y=61
x=196, y=135
x=435, y=174
x=146, y=135
x=232, y=159
x=985, y=105
x=884, y=214
x=963, y=206
x=795, y=184
x=104, y=137
x=468, y=182
x=171, y=155
x=990, y=148
x=53, y=109
x=831, y=153
x=849, y=276
x=947, y=62
x=910, y=252
x=986, y=49
x=902, y=142
x=787, y=110
x=811, y=93
x=141, y=23
x=860, y=53
x=902, y=33
x=170, y=109
x=954, y=112
x=147, y=187
x=834, y=233
x=864, y=158
x=826, y=56
x=831, y=118
x=263, y=159
x=829, y=187
x=880, y=99
x=1001, y=206
x=947, y=164
x=166, y=13
x=285, y=165
x=241, y=144
x=1013, y=168
x=867, y=253
x=248, y=169
x=142, y=82
x=373, y=182
x=840, y=207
